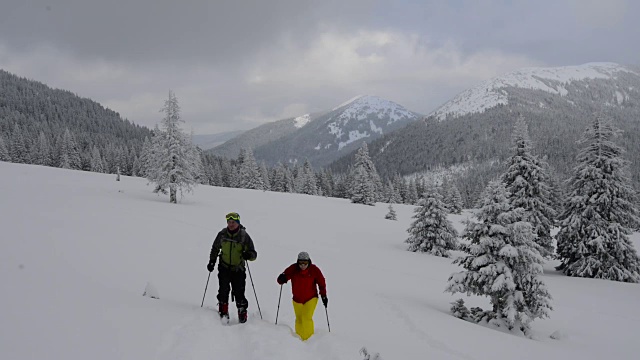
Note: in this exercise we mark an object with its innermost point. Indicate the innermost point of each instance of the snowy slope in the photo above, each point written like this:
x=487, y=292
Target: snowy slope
x=491, y=92
x=78, y=249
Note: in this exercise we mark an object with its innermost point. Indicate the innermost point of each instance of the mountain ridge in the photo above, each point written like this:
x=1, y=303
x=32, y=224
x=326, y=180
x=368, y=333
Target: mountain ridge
x=478, y=142
x=488, y=93
x=329, y=135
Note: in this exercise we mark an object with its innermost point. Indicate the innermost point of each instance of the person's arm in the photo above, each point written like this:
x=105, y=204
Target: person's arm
x=249, y=252
x=215, y=249
x=321, y=281
x=213, y=256
x=286, y=275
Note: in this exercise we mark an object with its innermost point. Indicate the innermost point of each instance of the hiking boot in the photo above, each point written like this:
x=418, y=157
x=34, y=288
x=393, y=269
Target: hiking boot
x=223, y=309
x=242, y=315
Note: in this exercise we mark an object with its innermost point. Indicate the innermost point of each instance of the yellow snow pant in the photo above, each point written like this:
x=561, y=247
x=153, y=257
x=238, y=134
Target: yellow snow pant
x=304, y=317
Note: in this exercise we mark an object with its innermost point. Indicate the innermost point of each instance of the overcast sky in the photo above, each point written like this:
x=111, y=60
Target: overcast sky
x=237, y=64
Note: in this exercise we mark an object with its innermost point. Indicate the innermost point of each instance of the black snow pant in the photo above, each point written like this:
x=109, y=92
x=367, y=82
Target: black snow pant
x=235, y=281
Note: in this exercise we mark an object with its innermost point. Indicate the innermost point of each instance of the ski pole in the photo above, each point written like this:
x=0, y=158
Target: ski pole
x=326, y=312
x=254, y=288
x=279, y=297
x=205, y=289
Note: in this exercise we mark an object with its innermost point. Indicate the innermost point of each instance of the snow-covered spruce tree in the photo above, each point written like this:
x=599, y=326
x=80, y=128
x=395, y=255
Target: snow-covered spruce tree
x=527, y=184
x=391, y=215
x=365, y=181
x=4, y=152
x=454, y=199
x=326, y=183
x=412, y=193
x=96, y=161
x=307, y=180
x=593, y=240
x=41, y=154
x=174, y=162
x=432, y=232
x=18, y=151
x=69, y=153
x=264, y=173
x=391, y=195
x=249, y=176
x=363, y=191
x=145, y=156
x=503, y=262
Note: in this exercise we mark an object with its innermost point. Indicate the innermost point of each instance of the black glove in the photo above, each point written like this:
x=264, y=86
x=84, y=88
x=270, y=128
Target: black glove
x=247, y=255
x=211, y=265
x=282, y=278
x=325, y=301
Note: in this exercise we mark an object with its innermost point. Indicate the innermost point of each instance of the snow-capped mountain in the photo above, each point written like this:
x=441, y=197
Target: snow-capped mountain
x=473, y=130
x=324, y=138
x=492, y=92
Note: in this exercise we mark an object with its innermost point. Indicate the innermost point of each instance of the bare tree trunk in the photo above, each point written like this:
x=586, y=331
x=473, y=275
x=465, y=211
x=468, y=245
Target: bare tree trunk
x=172, y=191
x=172, y=195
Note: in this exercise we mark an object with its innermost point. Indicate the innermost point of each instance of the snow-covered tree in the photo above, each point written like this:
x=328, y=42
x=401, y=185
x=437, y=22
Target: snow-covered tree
x=400, y=184
x=363, y=191
x=145, y=156
x=391, y=215
x=4, y=152
x=174, y=162
x=249, y=176
x=307, y=180
x=452, y=197
x=96, y=161
x=527, y=184
x=69, y=153
x=365, y=181
x=391, y=195
x=264, y=172
x=503, y=263
x=41, y=154
x=326, y=183
x=432, y=232
x=18, y=151
x=593, y=240
x=412, y=193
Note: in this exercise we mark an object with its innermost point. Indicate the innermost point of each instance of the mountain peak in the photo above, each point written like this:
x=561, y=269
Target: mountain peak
x=490, y=93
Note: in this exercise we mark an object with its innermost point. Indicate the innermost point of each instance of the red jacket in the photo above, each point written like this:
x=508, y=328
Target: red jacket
x=303, y=282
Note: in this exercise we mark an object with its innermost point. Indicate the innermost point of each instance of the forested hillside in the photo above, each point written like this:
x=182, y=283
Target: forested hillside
x=53, y=127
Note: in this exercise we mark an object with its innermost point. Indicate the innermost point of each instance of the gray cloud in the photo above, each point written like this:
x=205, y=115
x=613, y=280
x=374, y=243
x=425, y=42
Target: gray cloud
x=236, y=64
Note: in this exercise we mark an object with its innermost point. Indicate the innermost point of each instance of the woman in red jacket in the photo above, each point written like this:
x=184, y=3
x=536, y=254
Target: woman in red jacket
x=306, y=279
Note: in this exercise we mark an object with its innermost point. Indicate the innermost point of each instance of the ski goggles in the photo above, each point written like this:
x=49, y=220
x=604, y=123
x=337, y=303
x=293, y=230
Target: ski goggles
x=233, y=216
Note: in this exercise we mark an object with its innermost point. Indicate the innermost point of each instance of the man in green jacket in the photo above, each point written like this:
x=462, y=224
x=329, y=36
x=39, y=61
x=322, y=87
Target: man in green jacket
x=233, y=246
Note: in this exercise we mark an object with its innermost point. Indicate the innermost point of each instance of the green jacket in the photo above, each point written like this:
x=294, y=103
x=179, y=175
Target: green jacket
x=229, y=248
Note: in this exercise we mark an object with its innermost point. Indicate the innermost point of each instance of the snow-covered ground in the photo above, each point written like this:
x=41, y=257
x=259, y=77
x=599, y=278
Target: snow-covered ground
x=78, y=250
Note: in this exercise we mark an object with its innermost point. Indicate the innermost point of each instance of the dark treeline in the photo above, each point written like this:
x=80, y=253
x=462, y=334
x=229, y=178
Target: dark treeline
x=45, y=126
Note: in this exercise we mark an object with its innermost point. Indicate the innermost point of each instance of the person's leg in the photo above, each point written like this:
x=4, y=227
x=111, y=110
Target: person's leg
x=297, y=309
x=224, y=279
x=304, y=318
x=238, y=284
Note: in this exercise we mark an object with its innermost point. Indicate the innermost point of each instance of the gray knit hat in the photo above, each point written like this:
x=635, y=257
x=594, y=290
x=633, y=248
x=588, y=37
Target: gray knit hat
x=303, y=255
